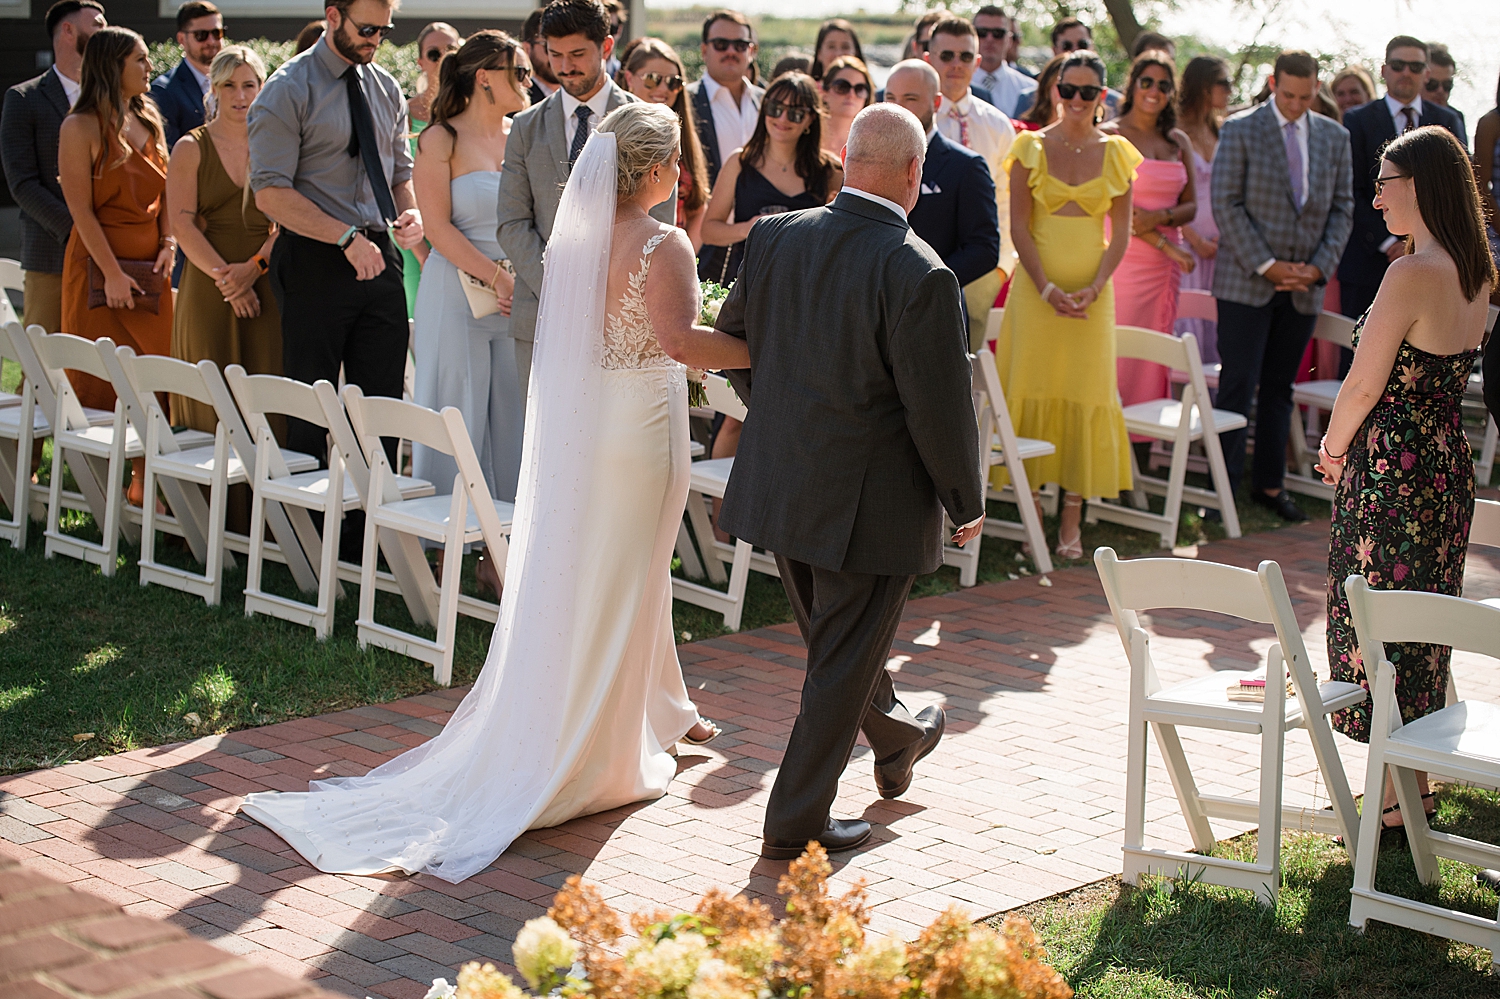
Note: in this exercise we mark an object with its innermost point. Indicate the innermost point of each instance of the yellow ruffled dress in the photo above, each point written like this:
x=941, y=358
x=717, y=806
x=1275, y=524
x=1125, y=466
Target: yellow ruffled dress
x=1059, y=374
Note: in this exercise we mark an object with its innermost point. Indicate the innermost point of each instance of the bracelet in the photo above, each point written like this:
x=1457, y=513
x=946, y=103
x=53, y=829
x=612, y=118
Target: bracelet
x=347, y=237
x=1323, y=446
x=1047, y=291
x=1161, y=241
x=165, y=242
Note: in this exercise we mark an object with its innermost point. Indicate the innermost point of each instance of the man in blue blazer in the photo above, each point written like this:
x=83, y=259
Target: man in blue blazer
x=179, y=92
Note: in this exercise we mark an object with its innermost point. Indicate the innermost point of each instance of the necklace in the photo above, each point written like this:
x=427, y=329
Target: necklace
x=1067, y=144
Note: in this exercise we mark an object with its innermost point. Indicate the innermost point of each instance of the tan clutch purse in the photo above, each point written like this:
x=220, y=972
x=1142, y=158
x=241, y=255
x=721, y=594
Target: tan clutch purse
x=481, y=296
x=148, y=298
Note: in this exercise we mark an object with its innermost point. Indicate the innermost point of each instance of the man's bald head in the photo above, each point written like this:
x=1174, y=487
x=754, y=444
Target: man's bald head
x=914, y=85
x=885, y=152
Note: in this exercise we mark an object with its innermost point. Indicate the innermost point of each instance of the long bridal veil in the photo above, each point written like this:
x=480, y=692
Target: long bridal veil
x=452, y=805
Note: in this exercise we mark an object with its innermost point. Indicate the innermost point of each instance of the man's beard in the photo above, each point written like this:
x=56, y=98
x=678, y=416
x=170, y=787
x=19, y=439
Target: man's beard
x=578, y=86
x=542, y=69
x=83, y=43
x=347, y=47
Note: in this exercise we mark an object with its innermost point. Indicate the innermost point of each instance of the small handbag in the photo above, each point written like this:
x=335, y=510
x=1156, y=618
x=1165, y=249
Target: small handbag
x=148, y=298
x=481, y=296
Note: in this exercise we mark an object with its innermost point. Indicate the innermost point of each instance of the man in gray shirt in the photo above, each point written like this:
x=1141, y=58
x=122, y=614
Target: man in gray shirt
x=329, y=162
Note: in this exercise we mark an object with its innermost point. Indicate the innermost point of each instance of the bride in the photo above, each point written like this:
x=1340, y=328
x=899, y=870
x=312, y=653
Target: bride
x=582, y=697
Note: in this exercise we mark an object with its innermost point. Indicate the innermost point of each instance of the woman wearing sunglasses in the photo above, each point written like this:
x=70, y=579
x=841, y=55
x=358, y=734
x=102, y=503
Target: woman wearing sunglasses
x=433, y=42
x=1056, y=350
x=847, y=90
x=652, y=71
x=1165, y=199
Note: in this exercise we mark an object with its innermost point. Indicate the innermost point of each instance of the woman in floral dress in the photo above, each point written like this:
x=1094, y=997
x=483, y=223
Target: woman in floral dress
x=1395, y=446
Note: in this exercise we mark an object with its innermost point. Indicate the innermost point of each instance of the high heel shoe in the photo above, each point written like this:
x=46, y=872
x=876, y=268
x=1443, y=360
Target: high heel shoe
x=1071, y=549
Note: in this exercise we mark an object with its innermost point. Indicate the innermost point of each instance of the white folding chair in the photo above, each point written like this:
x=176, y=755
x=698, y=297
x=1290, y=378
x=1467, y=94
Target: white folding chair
x=468, y=516
x=20, y=426
x=1194, y=303
x=1318, y=396
x=1461, y=741
x=1180, y=422
x=999, y=445
x=1261, y=596
x=707, y=482
x=95, y=450
x=11, y=277
x=228, y=462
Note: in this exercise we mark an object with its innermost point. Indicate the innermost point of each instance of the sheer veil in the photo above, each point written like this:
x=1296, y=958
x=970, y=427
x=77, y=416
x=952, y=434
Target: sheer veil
x=440, y=808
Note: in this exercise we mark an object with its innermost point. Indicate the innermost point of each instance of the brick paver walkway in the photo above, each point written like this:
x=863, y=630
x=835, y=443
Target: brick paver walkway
x=1023, y=798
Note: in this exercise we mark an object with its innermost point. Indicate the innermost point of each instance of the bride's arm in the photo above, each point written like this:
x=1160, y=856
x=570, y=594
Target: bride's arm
x=672, y=303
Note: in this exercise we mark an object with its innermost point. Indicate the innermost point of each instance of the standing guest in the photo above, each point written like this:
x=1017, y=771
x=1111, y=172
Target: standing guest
x=434, y=41
x=329, y=163
x=1153, y=41
x=543, y=146
x=955, y=208
x=792, y=62
x=224, y=311
x=112, y=163
x=921, y=33
x=725, y=102
x=29, y=124
x=1042, y=112
x=179, y=93
x=1200, y=113
x=463, y=360
x=1395, y=448
x=848, y=89
x=1372, y=247
x=1439, y=86
x=1009, y=88
x=1071, y=35
x=1164, y=198
x=308, y=36
x=1352, y=87
x=653, y=72
x=1064, y=180
x=1487, y=158
x=1283, y=204
x=618, y=15
x=835, y=38
x=543, y=83
x=1013, y=49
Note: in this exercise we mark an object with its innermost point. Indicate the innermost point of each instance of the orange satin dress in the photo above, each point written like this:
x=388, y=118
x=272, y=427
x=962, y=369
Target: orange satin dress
x=129, y=198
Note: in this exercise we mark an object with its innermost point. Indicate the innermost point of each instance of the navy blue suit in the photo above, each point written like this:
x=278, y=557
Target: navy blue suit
x=181, y=102
x=955, y=214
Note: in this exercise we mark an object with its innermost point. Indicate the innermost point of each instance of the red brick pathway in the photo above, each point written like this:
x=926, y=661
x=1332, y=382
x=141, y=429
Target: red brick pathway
x=1023, y=799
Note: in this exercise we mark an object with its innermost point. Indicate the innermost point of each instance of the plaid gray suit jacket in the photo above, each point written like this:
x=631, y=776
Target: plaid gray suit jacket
x=1257, y=216
x=29, y=127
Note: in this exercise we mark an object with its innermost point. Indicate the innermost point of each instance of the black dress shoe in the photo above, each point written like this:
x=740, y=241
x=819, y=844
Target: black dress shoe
x=893, y=777
x=838, y=834
x=1281, y=504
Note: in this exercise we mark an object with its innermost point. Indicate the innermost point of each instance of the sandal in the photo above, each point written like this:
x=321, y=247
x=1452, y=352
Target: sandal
x=713, y=733
x=1074, y=548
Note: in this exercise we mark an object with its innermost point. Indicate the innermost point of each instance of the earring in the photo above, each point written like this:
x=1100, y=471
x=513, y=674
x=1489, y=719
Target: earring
x=488, y=92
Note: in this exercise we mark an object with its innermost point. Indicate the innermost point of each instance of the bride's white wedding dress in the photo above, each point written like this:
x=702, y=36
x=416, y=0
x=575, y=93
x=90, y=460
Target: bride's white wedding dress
x=582, y=694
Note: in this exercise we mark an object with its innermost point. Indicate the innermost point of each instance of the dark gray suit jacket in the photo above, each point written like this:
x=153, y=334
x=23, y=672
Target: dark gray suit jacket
x=29, y=126
x=861, y=430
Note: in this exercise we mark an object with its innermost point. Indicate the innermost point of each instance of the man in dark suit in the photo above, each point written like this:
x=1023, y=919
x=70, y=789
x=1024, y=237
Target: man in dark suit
x=179, y=92
x=543, y=83
x=1371, y=246
x=29, y=125
x=860, y=435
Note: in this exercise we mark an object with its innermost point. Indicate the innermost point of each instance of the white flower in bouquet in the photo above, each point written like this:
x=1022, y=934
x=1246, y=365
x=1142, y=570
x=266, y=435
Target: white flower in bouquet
x=713, y=295
x=542, y=947
x=718, y=980
x=672, y=964
x=711, y=311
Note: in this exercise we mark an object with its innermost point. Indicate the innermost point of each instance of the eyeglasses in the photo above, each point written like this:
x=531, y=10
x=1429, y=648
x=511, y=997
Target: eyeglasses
x=1089, y=92
x=1433, y=86
x=844, y=87
x=654, y=80
x=725, y=44
x=434, y=54
x=999, y=34
x=1407, y=65
x=201, y=35
x=1380, y=183
x=794, y=113
x=371, y=30
x=1162, y=86
x=948, y=55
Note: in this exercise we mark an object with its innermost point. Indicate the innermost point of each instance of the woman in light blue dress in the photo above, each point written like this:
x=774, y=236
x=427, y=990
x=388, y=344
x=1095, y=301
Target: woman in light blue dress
x=463, y=360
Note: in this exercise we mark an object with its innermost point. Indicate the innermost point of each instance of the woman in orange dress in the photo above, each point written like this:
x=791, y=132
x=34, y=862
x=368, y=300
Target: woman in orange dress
x=112, y=163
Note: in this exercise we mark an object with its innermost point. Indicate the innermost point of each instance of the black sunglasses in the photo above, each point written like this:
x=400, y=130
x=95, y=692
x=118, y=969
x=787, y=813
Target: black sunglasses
x=843, y=87
x=1069, y=46
x=999, y=34
x=521, y=73
x=1406, y=65
x=948, y=55
x=1089, y=92
x=1446, y=86
x=794, y=113
x=654, y=80
x=201, y=35
x=725, y=44
x=434, y=54
x=371, y=30
x=1148, y=82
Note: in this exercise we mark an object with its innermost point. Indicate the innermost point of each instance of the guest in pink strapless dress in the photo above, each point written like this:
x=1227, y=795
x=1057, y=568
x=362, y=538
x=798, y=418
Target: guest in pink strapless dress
x=1200, y=110
x=1147, y=282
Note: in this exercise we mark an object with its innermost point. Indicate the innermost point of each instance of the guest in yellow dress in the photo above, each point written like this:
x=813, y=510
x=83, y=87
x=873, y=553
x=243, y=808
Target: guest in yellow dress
x=1056, y=351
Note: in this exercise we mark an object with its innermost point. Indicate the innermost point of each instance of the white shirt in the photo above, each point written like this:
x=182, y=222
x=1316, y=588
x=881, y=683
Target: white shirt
x=597, y=104
x=990, y=135
x=1302, y=129
x=733, y=124
x=882, y=202
x=70, y=87
x=201, y=77
x=1006, y=85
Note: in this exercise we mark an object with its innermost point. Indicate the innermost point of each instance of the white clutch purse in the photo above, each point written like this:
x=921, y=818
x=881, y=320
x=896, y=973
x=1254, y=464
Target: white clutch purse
x=481, y=296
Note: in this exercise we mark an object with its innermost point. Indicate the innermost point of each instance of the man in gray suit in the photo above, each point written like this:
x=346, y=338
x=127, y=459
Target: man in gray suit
x=544, y=142
x=1283, y=198
x=860, y=435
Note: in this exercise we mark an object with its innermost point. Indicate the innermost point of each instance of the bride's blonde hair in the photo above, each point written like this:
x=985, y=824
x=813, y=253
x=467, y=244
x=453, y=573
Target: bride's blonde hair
x=646, y=135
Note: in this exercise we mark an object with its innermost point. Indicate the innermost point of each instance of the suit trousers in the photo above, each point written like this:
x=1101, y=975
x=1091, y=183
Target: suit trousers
x=1260, y=347
x=848, y=620
x=43, y=305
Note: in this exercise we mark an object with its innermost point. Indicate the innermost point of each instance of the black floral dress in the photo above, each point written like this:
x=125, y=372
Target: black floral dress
x=1401, y=517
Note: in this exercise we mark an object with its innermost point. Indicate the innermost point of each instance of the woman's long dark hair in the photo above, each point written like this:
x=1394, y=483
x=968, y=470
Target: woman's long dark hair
x=1197, y=97
x=835, y=24
x=641, y=51
x=1167, y=120
x=489, y=50
x=1448, y=199
x=1042, y=111
x=101, y=93
x=813, y=164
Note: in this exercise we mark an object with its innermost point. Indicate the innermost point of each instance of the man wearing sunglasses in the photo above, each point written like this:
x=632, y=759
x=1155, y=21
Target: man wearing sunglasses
x=1070, y=35
x=725, y=103
x=543, y=83
x=179, y=92
x=1006, y=84
x=1371, y=126
x=1439, y=86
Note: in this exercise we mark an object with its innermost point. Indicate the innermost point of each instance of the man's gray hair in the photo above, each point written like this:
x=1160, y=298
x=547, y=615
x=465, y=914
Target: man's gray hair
x=886, y=136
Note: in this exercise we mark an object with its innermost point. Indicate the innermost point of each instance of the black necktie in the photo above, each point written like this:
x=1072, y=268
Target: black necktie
x=362, y=144
x=581, y=135
x=1411, y=119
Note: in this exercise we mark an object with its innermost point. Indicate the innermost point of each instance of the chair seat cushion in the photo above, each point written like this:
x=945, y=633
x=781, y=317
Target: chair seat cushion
x=429, y=514
x=314, y=487
x=1160, y=417
x=1321, y=393
x=710, y=477
x=1468, y=728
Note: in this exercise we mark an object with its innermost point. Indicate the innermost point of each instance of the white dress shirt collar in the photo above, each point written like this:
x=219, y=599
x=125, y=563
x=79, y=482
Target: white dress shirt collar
x=202, y=78
x=598, y=106
x=882, y=202
x=1395, y=106
x=70, y=87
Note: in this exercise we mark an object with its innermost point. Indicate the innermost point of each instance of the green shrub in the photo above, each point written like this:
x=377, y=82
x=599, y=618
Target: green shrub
x=398, y=60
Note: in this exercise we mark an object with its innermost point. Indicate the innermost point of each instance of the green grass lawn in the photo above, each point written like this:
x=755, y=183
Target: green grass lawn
x=1169, y=940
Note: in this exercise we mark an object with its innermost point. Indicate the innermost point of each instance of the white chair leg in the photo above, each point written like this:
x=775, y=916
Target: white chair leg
x=1219, y=473
x=54, y=497
x=692, y=568
x=1176, y=479
x=328, y=566
x=257, y=554
x=367, y=558
x=114, y=499
x=739, y=576
x=697, y=510
x=148, y=506
x=217, y=499
x=1135, y=780
x=1272, y=756
x=1137, y=495
x=453, y=560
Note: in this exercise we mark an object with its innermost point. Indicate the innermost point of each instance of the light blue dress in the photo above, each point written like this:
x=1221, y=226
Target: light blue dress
x=466, y=362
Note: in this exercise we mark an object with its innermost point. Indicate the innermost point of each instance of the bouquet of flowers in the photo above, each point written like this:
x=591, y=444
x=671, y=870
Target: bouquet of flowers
x=712, y=296
x=730, y=947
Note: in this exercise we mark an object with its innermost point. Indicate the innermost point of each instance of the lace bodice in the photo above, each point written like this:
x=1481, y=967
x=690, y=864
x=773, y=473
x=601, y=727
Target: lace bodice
x=629, y=339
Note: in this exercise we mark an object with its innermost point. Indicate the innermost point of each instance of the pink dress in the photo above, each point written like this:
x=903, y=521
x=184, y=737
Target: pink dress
x=1147, y=280
x=1202, y=278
